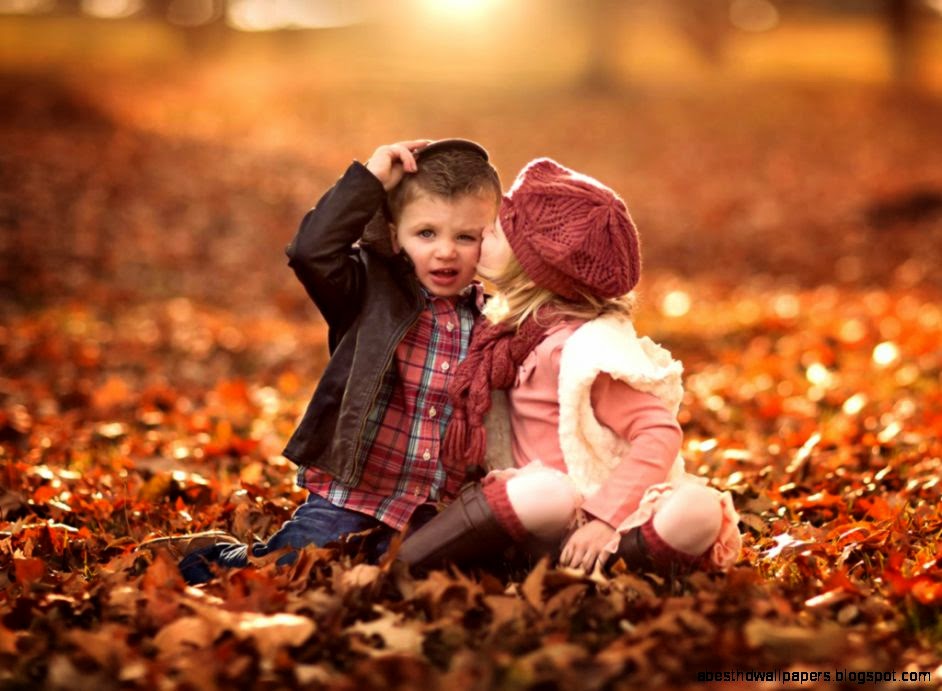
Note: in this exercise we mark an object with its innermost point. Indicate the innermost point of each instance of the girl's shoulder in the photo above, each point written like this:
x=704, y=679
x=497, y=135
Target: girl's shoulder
x=561, y=330
x=611, y=345
x=547, y=353
x=558, y=334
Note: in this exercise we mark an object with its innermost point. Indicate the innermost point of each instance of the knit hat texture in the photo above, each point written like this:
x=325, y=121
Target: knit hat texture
x=571, y=234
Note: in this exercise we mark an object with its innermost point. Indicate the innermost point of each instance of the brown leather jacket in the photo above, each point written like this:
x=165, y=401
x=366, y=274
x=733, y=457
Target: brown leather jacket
x=369, y=299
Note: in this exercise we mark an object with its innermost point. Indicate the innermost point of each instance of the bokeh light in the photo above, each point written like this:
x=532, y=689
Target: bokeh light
x=854, y=404
x=112, y=9
x=753, y=15
x=270, y=15
x=885, y=353
x=676, y=303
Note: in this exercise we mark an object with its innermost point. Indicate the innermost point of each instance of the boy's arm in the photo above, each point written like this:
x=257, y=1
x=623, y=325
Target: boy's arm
x=322, y=253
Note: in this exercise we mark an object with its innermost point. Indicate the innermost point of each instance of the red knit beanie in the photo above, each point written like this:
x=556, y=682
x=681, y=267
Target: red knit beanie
x=570, y=233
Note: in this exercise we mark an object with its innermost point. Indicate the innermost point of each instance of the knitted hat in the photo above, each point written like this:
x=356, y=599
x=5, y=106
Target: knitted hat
x=570, y=233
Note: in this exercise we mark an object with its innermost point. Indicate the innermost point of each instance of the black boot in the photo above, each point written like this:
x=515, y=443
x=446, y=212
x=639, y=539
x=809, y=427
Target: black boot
x=466, y=533
x=633, y=551
x=638, y=555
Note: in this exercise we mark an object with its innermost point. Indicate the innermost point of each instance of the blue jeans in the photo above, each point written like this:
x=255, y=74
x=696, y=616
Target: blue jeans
x=315, y=522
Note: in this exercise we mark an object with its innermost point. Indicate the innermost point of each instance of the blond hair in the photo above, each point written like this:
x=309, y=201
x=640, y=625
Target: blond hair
x=518, y=298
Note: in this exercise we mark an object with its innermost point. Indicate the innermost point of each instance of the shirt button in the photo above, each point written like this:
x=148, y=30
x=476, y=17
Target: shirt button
x=449, y=327
x=445, y=367
x=432, y=412
x=427, y=456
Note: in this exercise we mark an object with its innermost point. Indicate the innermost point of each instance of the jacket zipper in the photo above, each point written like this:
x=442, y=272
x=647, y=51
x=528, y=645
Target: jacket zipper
x=356, y=449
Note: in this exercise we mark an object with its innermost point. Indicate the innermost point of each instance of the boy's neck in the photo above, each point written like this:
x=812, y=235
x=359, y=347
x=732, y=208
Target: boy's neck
x=469, y=291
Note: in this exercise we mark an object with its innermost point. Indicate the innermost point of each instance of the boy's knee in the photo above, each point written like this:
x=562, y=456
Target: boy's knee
x=690, y=519
x=544, y=501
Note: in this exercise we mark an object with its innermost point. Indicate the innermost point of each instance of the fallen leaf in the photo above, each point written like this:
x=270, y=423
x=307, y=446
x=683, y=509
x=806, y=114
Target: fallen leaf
x=532, y=587
x=397, y=634
x=183, y=635
x=30, y=570
x=796, y=642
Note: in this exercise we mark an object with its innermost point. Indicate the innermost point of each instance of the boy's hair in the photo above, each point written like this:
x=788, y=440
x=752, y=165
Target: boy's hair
x=518, y=297
x=448, y=173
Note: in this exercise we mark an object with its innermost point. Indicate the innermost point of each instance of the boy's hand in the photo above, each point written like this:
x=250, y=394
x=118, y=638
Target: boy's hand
x=391, y=161
x=584, y=546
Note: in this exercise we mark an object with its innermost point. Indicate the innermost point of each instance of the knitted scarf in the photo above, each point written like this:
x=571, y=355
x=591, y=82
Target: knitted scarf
x=494, y=354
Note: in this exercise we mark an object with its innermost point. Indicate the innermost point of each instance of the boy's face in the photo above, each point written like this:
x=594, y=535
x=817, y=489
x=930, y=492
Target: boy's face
x=443, y=238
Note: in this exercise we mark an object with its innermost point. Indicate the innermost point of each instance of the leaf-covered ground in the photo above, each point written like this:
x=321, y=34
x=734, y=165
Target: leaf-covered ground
x=155, y=354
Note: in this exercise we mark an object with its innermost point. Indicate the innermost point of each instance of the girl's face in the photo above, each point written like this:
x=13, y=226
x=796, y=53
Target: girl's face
x=495, y=252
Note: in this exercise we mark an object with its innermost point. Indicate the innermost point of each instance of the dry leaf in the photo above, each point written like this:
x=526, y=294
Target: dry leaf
x=28, y=571
x=795, y=642
x=183, y=635
x=532, y=588
x=397, y=635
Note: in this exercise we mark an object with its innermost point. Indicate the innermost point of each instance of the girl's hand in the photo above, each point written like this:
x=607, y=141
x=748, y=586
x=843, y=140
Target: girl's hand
x=391, y=161
x=584, y=546
x=499, y=474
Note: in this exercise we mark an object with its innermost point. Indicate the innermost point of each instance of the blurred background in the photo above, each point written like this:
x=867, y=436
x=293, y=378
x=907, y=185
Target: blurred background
x=782, y=160
x=153, y=149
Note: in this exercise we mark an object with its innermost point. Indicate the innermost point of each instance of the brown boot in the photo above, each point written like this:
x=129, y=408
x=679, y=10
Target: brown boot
x=466, y=533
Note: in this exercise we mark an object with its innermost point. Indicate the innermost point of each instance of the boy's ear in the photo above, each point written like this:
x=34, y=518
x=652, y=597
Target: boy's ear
x=392, y=238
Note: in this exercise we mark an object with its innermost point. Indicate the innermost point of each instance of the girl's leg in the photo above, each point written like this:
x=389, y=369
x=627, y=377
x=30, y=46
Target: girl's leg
x=536, y=504
x=544, y=501
x=689, y=520
x=680, y=535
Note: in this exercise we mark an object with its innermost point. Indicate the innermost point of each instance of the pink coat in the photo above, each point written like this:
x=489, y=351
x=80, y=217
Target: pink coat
x=641, y=419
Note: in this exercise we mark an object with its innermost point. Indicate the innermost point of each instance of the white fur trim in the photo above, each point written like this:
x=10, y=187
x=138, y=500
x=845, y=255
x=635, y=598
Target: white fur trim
x=610, y=345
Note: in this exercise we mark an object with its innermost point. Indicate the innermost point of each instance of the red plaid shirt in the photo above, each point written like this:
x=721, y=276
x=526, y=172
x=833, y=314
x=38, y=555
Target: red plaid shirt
x=402, y=438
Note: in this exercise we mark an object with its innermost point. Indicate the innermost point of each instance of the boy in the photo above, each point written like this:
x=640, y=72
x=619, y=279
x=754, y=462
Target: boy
x=399, y=305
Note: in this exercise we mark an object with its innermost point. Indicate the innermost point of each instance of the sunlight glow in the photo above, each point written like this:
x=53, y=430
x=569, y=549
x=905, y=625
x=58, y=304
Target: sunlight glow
x=269, y=15
x=111, y=9
x=459, y=10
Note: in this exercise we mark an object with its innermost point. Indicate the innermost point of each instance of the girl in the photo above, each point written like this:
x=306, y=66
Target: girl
x=593, y=437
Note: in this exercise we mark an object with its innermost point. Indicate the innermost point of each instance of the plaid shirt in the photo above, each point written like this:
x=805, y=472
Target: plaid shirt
x=403, y=433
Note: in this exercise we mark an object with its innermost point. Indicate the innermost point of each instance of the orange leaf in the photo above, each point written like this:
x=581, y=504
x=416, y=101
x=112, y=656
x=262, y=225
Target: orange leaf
x=927, y=591
x=44, y=493
x=877, y=508
x=29, y=570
